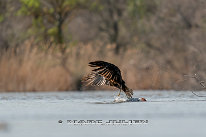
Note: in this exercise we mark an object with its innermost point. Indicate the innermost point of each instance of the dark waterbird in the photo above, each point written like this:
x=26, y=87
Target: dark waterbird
x=107, y=74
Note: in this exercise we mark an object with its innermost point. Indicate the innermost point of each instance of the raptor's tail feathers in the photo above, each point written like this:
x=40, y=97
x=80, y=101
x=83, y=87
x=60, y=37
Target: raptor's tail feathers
x=128, y=92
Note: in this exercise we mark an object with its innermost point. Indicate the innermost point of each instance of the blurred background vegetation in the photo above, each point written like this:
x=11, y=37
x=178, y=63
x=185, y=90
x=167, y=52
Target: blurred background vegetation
x=45, y=45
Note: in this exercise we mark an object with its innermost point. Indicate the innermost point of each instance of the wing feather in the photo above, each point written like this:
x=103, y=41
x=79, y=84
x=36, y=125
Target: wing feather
x=95, y=79
x=107, y=70
x=105, y=74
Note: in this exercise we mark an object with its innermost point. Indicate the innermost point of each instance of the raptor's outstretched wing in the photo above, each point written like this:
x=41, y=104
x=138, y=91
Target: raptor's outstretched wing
x=105, y=74
x=95, y=79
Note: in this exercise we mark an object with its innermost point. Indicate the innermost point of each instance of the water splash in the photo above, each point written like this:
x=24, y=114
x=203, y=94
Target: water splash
x=119, y=99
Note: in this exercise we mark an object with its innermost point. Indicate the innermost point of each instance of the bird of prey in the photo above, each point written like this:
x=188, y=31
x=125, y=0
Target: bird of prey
x=107, y=74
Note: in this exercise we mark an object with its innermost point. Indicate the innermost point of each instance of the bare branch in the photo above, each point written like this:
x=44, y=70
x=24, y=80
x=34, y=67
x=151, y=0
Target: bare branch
x=202, y=83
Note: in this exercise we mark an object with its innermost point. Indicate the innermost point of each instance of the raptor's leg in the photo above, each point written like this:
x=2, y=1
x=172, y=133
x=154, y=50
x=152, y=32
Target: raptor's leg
x=119, y=93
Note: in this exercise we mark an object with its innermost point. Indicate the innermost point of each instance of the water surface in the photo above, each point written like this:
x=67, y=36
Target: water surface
x=169, y=113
